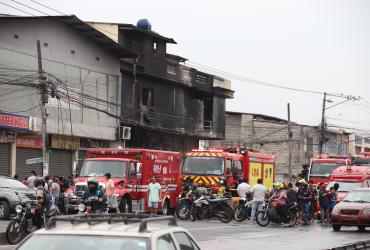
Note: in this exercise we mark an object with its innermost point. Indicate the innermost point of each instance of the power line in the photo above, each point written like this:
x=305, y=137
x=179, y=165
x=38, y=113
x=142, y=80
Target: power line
x=20, y=111
x=27, y=6
x=48, y=7
x=17, y=9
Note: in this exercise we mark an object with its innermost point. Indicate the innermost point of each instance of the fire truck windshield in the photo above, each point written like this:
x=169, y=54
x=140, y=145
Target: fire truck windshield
x=201, y=165
x=323, y=168
x=100, y=168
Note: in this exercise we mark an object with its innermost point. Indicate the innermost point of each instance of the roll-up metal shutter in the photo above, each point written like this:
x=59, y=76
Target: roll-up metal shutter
x=60, y=163
x=23, y=154
x=4, y=158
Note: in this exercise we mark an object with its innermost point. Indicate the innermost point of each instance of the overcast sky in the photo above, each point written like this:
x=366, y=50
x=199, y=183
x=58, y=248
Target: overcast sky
x=320, y=45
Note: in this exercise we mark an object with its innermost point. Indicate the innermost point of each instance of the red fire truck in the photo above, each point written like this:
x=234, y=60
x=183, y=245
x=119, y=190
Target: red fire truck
x=131, y=170
x=322, y=166
x=208, y=166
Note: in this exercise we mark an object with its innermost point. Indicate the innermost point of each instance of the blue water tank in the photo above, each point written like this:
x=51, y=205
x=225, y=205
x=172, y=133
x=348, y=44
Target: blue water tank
x=144, y=24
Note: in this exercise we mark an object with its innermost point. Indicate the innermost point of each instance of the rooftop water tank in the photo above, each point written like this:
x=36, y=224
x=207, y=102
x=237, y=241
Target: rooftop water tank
x=144, y=24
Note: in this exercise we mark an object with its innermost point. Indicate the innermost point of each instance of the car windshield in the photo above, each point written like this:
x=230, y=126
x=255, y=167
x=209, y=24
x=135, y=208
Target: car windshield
x=344, y=186
x=357, y=196
x=203, y=165
x=324, y=168
x=100, y=168
x=10, y=183
x=84, y=242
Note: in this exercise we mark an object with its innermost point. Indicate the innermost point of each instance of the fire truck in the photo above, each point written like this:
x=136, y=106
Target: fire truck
x=131, y=170
x=209, y=166
x=349, y=178
x=322, y=166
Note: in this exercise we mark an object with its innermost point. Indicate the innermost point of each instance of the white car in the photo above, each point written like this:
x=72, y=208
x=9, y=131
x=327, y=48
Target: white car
x=111, y=232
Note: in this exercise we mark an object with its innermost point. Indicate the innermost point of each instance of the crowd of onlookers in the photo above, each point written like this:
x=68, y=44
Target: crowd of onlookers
x=54, y=185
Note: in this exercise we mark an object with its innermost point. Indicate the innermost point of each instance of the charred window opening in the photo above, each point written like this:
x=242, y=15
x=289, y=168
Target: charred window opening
x=147, y=97
x=208, y=113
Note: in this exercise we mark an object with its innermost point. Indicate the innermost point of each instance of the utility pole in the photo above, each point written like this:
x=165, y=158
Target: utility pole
x=289, y=144
x=44, y=114
x=322, y=126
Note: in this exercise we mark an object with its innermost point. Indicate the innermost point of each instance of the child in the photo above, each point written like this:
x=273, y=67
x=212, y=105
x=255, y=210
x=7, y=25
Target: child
x=332, y=200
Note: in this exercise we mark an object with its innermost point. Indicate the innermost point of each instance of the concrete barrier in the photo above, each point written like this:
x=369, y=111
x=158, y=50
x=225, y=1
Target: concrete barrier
x=358, y=246
x=3, y=239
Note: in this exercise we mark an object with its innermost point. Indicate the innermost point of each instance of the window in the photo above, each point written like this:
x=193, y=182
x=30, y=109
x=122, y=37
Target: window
x=185, y=241
x=238, y=167
x=132, y=170
x=147, y=97
x=154, y=46
x=165, y=242
x=358, y=150
x=171, y=70
x=229, y=164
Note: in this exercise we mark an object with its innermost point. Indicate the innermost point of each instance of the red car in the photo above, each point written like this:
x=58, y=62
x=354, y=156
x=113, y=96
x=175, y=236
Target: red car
x=353, y=210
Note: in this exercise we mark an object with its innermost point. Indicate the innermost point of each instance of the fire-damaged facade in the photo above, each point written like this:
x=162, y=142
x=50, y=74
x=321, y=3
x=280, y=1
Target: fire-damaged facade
x=166, y=104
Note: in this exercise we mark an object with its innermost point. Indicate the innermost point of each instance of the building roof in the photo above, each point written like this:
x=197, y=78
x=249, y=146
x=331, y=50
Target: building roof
x=146, y=32
x=176, y=57
x=84, y=29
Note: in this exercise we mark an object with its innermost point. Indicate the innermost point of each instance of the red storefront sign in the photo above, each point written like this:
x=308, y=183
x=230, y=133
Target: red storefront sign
x=29, y=141
x=14, y=121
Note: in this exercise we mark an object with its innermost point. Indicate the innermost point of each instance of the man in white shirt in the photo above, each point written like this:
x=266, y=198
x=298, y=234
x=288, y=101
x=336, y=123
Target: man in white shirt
x=259, y=194
x=154, y=195
x=243, y=188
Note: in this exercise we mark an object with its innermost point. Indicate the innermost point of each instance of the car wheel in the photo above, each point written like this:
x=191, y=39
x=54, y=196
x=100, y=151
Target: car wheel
x=336, y=228
x=4, y=210
x=361, y=228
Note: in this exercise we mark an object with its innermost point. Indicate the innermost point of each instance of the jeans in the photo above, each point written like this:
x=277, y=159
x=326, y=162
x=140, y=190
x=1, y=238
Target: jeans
x=323, y=214
x=305, y=208
x=256, y=206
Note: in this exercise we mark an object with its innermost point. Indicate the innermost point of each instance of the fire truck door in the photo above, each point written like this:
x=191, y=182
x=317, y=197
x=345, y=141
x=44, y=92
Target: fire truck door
x=132, y=177
x=255, y=172
x=268, y=175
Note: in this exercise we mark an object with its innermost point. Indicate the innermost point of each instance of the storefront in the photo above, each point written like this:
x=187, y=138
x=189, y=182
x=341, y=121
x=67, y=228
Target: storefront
x=29, y=146
x=10, y=125
x=61, y=154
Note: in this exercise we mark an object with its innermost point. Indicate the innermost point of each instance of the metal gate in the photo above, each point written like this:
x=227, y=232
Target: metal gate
x=60, y=163
x=5, y=158
x=23, y=154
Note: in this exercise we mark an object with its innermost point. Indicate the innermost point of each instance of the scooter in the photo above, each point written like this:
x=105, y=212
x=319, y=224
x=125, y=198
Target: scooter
x=269, y=214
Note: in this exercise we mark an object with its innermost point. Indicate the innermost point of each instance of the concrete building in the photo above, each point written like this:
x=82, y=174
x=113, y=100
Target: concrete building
x=167, y=105
x=270, y=135
x=82, y=66
x=358, y=142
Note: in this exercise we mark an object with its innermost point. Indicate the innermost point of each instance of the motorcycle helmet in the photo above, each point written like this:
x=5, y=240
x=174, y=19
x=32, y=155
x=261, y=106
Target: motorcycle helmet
x=92, y=181
x=222, y=181
x=39, y=181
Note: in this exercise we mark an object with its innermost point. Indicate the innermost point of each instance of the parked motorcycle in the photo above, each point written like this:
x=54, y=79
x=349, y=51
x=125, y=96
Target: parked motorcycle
x=185, y=204
x=206, y=208
x=24, y=222
x=269, y=214
x=243, y=211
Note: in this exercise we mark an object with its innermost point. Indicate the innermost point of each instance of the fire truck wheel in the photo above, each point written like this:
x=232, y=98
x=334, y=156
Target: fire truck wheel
x=166, y=209
x=126, y=205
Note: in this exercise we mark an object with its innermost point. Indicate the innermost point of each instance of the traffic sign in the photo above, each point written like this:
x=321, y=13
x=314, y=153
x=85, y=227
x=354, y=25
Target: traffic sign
x=34, y=161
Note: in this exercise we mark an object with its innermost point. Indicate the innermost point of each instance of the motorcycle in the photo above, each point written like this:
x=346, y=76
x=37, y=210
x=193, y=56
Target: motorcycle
x=269, y=214
x=185, y=204
x=243, y=211
x=24, y=222
x=206, y=208
x=87, y=206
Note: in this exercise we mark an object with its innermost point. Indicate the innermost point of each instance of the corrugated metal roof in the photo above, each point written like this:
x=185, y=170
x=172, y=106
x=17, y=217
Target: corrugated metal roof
x=85, y=30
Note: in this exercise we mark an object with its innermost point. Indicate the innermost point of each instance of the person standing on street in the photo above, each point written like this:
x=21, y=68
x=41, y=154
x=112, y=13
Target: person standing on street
x=243, y=188
x=54, y=190
x=31, y=179
x=110, y=193
x=259, y=194
x=291, y=193
x=154, y=194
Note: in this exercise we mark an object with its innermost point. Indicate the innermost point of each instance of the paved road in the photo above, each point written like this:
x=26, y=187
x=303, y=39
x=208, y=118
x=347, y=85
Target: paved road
x=214, y=235
x=217, y=236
